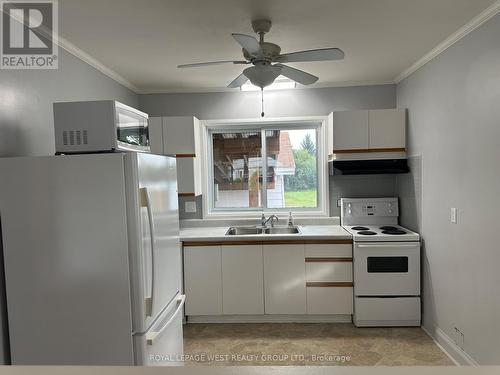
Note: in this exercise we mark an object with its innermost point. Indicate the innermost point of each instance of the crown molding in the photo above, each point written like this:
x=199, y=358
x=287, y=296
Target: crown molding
x=477, y=21
x=85, y=57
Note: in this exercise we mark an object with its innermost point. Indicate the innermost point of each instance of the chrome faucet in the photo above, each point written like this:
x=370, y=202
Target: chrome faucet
x=271, y=218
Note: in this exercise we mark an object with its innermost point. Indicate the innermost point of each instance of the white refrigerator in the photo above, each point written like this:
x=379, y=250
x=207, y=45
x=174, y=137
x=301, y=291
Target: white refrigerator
x=92, y=259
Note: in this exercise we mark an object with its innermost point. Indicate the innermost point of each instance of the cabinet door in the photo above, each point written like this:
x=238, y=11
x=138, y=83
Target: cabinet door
x=387, y=128
x=350, y=130
x=242, y=279
x=203, y=280
x=284, y=279
x=155, y=129
x=179, y=135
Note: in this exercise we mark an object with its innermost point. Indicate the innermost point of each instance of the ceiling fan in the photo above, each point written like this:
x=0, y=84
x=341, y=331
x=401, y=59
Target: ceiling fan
x=267, y=59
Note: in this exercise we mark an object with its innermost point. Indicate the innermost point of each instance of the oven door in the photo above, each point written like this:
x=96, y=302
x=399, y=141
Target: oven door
x=132, y=132
x=387, y=269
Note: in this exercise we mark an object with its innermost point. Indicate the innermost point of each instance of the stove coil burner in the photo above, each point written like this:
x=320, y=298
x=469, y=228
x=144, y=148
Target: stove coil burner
x=394, y=232
x=367, y=233
x=359, y=228
x=389, y=228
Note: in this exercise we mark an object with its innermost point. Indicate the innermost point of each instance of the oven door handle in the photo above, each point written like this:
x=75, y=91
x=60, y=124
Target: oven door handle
x=386, y=245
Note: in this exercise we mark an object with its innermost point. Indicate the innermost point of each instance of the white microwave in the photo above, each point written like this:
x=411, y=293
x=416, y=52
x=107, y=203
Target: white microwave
x=99, y=126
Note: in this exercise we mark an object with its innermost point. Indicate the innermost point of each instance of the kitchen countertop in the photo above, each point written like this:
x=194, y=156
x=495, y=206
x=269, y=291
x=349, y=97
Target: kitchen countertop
x=307, y=232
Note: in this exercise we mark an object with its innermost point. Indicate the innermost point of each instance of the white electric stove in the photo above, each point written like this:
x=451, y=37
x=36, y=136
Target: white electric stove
x=386, y=263
x=381, y=233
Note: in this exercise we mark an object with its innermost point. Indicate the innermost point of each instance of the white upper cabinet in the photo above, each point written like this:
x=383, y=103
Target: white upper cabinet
x=155, y=128
x=387, y=128
x=369, y=130
x=350, y=130
x=188, y=176
x=179, y=136
x=175, y=135
x=182, y=135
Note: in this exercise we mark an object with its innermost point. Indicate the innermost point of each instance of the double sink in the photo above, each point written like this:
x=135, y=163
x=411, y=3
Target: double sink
x=246, y=231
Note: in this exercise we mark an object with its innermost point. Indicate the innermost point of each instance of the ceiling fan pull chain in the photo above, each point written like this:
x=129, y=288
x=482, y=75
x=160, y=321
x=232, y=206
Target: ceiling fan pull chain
x=262, y=101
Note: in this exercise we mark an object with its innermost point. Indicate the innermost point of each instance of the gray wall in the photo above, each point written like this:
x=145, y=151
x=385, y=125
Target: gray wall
x=289, y=103
x=26, y=97
x=454, y=125
x=301, y=102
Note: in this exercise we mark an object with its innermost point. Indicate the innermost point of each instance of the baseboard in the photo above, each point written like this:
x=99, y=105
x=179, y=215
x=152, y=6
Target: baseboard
x=270, y=319
x=448, y=346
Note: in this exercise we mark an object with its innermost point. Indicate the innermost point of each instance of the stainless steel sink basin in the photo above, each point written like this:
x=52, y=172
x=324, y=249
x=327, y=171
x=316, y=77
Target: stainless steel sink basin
x=246, y=231
x=282, y=230
x=242, y=231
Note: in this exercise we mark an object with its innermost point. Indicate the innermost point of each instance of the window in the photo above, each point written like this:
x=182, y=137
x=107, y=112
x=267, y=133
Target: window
x=269, y=166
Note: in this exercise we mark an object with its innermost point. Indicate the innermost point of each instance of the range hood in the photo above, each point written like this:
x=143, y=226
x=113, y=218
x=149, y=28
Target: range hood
x=371, y=166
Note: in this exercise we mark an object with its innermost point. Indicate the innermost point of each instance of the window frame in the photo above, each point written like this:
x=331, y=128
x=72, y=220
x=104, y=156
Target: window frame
x=320, y=123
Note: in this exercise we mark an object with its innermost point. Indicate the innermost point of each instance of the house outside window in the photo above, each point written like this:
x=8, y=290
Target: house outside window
x=270, y=166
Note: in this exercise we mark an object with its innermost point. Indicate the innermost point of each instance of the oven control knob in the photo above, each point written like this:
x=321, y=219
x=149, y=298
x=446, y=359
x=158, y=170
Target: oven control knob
x=390, y=211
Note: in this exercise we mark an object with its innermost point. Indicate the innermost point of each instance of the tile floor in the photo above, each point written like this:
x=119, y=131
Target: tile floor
x=310, y=344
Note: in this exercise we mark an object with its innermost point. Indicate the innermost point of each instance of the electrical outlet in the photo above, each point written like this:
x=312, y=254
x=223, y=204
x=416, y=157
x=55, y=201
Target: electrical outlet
x=190, y=207
x=453, y=215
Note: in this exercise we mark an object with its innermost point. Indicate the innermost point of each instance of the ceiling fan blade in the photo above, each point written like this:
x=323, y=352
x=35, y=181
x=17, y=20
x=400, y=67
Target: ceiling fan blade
x=297, y=75
x=248, y=43
x=238, y=81
x=196, y=65
x=325, y=54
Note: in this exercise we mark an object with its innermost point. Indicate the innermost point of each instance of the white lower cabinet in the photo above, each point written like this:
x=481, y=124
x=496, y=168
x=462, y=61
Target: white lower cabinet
x=329, y=271
x=203, y=280
x=271, y=279
x=329, y=279
x=284, y=279
x=343, y=250
x=329, y=300
x=242, y=280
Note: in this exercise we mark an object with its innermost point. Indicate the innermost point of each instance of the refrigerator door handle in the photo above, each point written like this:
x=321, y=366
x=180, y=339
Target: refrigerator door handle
x=152, y=336
x=145, y=202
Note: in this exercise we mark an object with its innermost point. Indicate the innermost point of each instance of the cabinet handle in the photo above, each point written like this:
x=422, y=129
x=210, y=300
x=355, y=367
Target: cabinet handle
x=328, y=260
x=323, y=284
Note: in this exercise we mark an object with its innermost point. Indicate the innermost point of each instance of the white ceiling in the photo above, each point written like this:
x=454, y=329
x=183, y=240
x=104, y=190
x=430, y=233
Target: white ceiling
x=144, y=40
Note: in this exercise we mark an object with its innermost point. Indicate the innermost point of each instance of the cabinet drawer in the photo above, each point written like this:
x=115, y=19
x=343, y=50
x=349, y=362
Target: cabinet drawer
x=329, y=300
x=328, y=271
x=328, y=250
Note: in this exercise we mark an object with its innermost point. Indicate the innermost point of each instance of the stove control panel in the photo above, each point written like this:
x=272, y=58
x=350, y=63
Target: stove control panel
x=353, y=208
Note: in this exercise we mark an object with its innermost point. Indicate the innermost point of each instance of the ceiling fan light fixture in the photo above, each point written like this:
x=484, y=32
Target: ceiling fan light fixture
x=280, y=83
x=262, y=75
